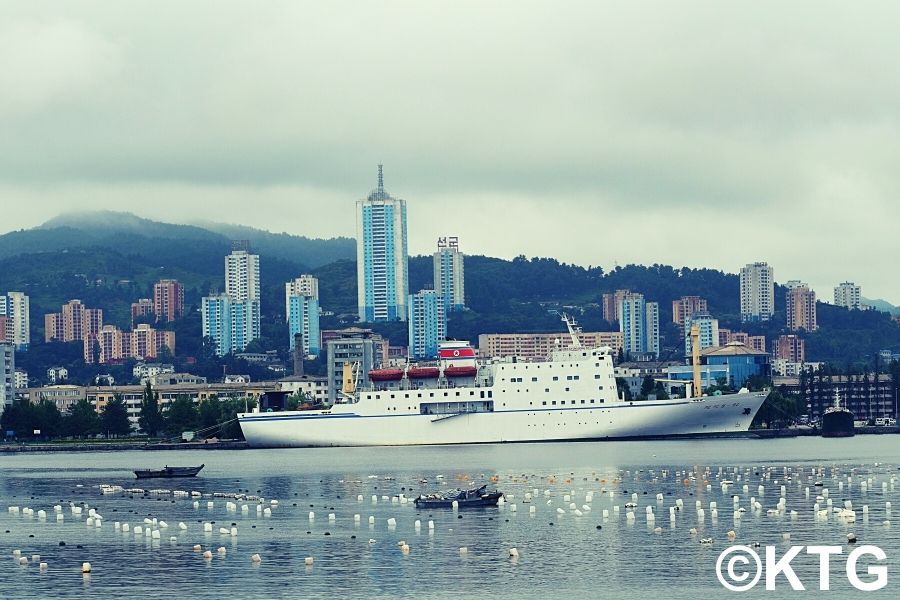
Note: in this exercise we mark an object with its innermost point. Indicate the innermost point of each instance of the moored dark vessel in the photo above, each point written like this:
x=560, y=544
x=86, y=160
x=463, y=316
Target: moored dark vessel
x=168, y=471
x=837, y=420
x=473, y=498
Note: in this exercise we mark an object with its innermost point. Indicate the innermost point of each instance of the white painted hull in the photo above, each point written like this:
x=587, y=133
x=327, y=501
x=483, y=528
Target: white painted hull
x=343, y=426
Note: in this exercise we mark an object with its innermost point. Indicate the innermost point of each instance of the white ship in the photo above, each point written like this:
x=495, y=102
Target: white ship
x=572, y=396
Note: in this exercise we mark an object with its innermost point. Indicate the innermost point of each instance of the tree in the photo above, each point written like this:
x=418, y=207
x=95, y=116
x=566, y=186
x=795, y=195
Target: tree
x=181, y=415
x=646, y=387
x=114, y=418
x=82, y=420
x=209, y=412
x=230, y=409
x=623, y=389
x=660, y=391
x=150, y=419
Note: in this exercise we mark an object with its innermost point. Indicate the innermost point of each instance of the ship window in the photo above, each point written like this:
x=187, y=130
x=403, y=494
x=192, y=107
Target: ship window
x=576, y=377
x=490, y=394
x=534, y=379
x=567, y=389
x=554, y=403
x=582, y=401
x=482, y=394
x=431, y=394
x=568, y=378
x=555, y=378
x=471, y=393
x=547, y=390
x=457, y=393
x=406, y=395
x=597, y=376
x=392, y=396
x=544, y=403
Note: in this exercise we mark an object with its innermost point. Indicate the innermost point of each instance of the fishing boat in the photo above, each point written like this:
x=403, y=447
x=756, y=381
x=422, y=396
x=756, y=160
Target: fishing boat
x=168, y=471
x=473, y=498
x=463, y=399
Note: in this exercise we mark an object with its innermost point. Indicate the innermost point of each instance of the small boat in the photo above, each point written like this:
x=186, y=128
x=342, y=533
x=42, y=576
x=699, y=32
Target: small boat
x=473, y=498
x=168, y=471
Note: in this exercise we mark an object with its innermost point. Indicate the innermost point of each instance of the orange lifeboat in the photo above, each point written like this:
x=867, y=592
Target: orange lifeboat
x=461, y=371
x=423, y=372
x=386, y=374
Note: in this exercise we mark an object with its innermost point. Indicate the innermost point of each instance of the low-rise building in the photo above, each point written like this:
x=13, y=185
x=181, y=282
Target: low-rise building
x=20, y=378
x=57, y=375
x=868, y=397
x=176, y=379
x=539, y=346
x=144, y=371
x=743, y=362
x=310, y=385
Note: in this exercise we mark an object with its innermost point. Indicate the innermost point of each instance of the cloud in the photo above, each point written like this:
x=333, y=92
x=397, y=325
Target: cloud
x=689, y=133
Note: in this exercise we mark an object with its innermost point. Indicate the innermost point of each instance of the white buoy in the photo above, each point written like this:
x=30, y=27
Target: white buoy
x=331, y=517
x=138, y=530
x=371, y=520
x=455, y=505
x=233, y=532
x=417, y=525
x=197, y=547
x=463, y=551
x=357, y=518
x=222, y=550
x=43, y=566
x=155, y=534
x=255, y=558
x=392, y=522
x=207, y=527
x=182, y=526
x=267, y=512
x=308, y=561
x=513, y=553
x=312, y=516
x=85, y=567
x=207, y=555
x=125, y=527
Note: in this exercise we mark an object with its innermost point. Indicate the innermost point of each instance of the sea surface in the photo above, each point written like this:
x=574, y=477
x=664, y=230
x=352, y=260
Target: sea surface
x=560, y=555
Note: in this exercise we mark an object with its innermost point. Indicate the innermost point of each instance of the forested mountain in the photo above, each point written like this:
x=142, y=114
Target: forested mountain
x=108, y=260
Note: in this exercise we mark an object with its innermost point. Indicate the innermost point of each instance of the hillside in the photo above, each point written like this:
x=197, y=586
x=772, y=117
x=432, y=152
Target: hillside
x=129, y=234
x=108, y=260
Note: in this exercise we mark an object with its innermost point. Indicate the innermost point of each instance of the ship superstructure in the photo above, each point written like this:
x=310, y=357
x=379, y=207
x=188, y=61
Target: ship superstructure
x=459, y=399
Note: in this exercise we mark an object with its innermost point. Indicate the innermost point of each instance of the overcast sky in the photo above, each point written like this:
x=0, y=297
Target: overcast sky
x=685, y=133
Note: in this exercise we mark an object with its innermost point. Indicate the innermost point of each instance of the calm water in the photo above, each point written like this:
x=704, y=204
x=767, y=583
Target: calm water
x=559, y=555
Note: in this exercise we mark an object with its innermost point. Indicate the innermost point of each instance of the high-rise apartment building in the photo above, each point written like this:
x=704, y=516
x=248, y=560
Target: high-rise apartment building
x=639, y=324
x=215, y=313
x=709, y=331
x=382, y=269
x=848, y=295
x=427, y=324
x=449, y=274
x=757, y=292
x=790, y=347
x=168, y=299
x=142, y=308
x=141, y=343
x=7, y=376
x=303, y=318
x=611, y=303
x=242, y=273
x=305, y=285
x=232, y=319
x=74, y=323
x=15, y=314
x=685, y=307
x=801, y=308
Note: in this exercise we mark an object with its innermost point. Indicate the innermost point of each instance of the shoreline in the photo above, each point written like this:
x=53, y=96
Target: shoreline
x=117, y=447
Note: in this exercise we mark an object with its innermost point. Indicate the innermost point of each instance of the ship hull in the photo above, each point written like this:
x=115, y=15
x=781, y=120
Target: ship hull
x=343, y=426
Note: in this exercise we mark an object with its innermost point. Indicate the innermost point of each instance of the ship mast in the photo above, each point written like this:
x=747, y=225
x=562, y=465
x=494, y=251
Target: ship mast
x=574, y=330
x=695, y=360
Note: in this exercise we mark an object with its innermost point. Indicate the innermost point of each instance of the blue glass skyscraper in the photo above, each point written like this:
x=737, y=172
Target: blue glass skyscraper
x=381, y=256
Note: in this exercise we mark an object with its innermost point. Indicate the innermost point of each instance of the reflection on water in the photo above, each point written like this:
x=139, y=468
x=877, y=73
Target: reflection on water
x=560, y=555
